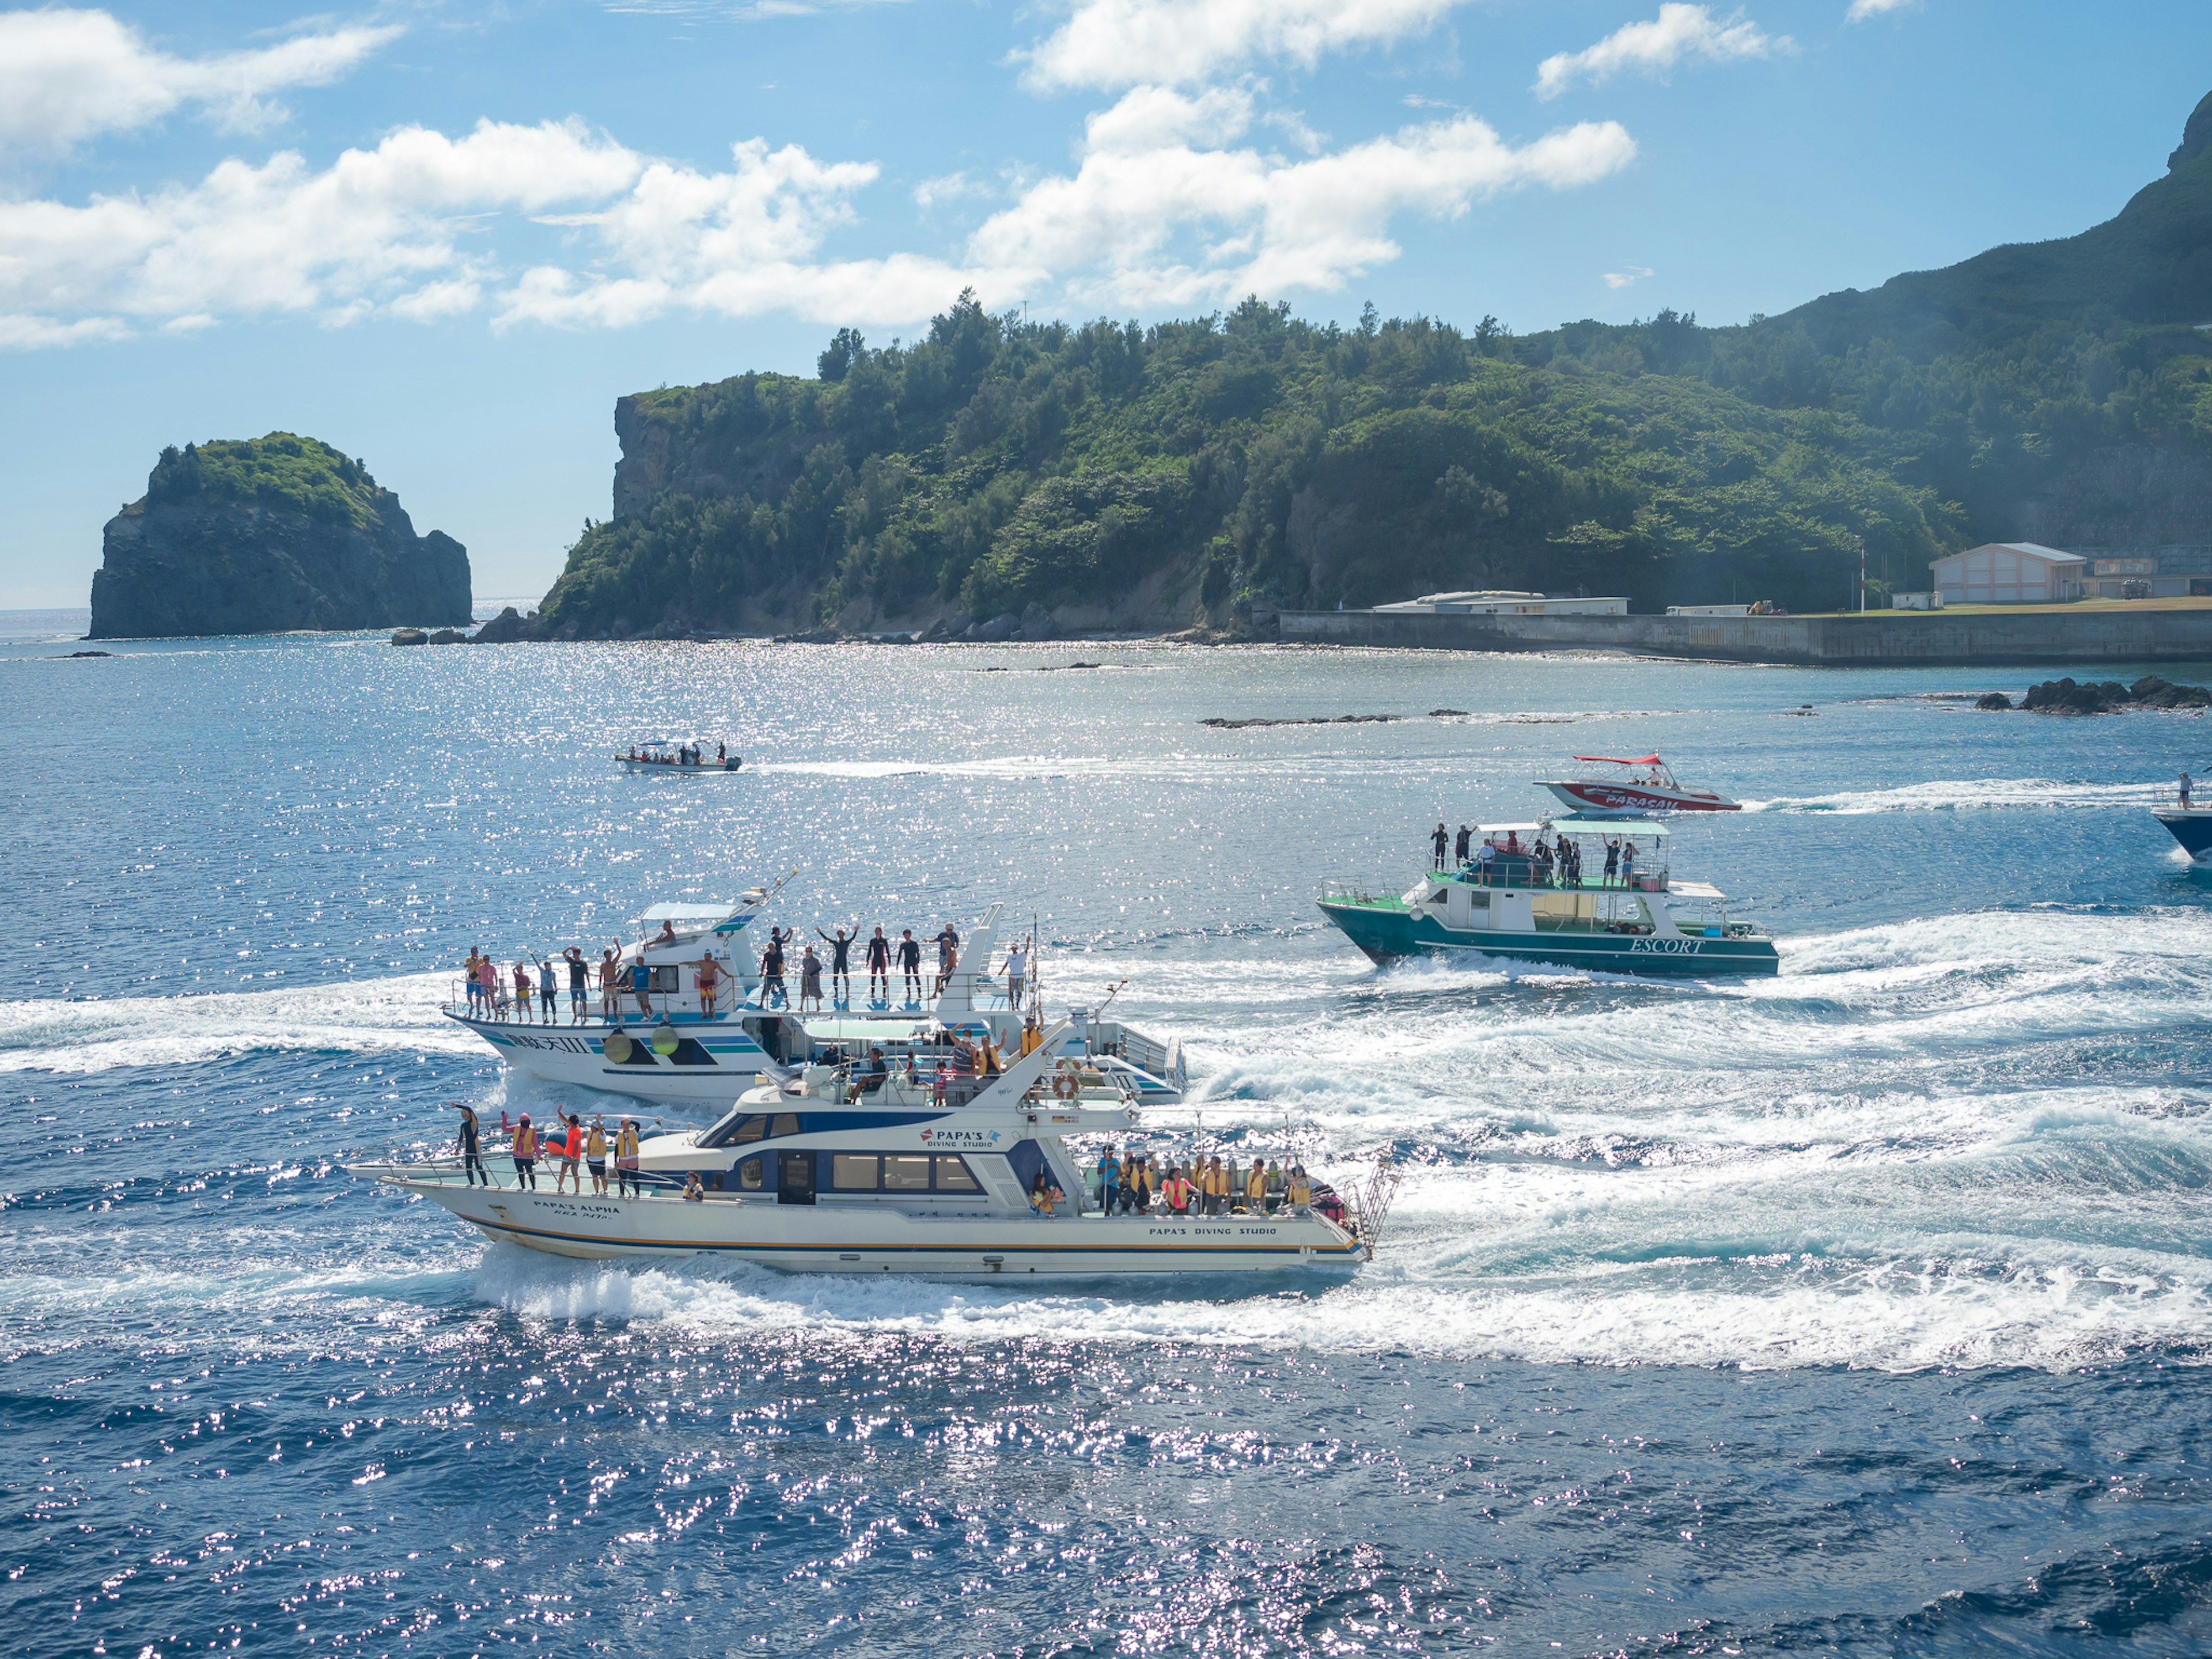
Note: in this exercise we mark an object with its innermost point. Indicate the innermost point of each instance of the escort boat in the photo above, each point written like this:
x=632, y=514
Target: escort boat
x=834, y=1172
x=1597, y=896
x=1634, y=788
x=681, y=1044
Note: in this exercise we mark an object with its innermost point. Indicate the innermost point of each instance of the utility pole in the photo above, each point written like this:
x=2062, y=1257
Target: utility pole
x=1862, y=575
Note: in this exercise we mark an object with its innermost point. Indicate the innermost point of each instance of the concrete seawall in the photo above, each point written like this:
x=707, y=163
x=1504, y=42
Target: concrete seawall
x=1932, y=639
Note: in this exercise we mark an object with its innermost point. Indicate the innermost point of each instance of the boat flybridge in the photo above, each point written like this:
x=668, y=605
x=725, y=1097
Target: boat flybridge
x=1597, y=895
x=680, y=1043
x=842, y=1170
x=1644, y=784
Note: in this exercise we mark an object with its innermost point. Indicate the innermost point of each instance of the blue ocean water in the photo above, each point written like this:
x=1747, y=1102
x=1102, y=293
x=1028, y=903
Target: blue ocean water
x=1861, y=1310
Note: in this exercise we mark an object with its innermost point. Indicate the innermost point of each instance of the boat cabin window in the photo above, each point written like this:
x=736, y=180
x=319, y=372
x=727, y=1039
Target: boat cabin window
x=898, y=1172
x=749, y=1175
x=906, y=1173
x=1440, y=896
x=737, y=1130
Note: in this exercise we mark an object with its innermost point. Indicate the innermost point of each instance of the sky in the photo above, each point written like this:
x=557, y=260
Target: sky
x=446, y=238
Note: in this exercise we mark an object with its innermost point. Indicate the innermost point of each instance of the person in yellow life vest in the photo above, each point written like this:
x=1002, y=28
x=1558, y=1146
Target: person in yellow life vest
x=595, y=1154
x=1032, y=1038
x=525, y=1154
x=1177, y=1192
x=626, y=1183
x=1255, y=1189
x=1301, y=1190
x=1216, y=1187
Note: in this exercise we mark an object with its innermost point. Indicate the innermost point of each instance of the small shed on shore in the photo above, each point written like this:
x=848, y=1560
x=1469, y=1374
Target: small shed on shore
x=2009, y=572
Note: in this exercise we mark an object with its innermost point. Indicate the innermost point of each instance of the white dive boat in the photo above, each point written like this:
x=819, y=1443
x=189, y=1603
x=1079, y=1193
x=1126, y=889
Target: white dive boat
x=663, y=755
x=818, y=1174
x=676, y=1046
x=1633, y=788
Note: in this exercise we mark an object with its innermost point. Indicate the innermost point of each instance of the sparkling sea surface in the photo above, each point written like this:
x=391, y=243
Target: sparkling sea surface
x=1864, y=1310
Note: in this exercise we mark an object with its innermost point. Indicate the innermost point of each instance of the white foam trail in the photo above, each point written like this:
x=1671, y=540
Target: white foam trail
x=366, y=1016
x=1970, y=795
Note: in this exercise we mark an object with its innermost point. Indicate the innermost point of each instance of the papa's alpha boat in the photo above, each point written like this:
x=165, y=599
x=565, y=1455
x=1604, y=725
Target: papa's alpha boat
x=679, y=1046
x=1516, y=901
x=819, y=1175
x=1633, y=788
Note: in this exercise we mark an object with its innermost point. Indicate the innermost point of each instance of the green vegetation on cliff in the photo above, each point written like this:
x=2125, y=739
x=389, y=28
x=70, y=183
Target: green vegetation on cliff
x=1120, y=475
x=281, y=471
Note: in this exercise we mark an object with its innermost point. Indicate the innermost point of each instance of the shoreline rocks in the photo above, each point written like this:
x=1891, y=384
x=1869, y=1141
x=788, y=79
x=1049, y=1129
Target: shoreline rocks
x=2069, y=696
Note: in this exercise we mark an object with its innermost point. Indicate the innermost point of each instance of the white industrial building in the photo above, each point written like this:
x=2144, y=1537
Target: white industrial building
x=1491, y=602
x=2009, y=572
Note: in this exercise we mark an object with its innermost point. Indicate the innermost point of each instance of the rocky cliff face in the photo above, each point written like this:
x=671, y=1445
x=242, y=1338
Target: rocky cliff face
x=268, y=535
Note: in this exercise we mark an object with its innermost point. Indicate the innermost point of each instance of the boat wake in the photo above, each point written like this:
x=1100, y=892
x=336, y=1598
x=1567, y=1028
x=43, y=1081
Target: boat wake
x=1970, y=795
x=365, y=1016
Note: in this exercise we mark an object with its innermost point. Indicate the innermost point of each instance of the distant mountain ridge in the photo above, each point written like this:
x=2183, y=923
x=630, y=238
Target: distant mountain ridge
x=268, y=535
x=1111, y=476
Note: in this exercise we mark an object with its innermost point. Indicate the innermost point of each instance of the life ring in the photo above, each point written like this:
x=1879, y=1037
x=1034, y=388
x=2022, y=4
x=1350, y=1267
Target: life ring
x=1065, y=1083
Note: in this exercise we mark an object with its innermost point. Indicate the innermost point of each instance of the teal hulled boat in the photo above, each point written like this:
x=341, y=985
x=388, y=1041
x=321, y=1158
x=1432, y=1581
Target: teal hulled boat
x=1526, y=899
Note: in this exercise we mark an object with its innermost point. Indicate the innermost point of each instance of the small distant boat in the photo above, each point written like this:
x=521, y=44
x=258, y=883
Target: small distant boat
x=679, y=758
x=1639, y=786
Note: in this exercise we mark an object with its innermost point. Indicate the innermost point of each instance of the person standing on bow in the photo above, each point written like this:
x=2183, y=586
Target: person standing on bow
x=840, y=963
x=879, y=969
x=948, y=957
x=525, y=1154
x=1440, y=840
x=472, y=1164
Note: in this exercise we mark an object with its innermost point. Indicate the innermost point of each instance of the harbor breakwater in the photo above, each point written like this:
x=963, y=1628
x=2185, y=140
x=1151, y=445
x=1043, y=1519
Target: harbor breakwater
x=1901, y=639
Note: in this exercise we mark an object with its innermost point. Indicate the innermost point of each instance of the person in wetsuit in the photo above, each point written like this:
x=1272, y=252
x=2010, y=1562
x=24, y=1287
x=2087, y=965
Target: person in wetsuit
x=472, y=1163
x=879, y=968
x=840, y=963
x=909, y=955
x=1440, y=840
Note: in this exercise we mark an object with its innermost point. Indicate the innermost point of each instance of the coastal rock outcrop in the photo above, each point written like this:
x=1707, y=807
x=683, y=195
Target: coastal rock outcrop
x=267, y=535
x=2067, y=696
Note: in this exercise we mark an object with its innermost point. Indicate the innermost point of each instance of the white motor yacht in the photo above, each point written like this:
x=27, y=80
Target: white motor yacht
x=677, y=1044
x=837, y=1171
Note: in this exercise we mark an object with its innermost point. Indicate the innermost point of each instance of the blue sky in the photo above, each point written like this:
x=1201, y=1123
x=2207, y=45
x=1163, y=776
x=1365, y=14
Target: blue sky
x=446, y=239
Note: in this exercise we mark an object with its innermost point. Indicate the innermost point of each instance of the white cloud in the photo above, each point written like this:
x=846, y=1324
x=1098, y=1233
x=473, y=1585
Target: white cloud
x=1627, y=276
x=1108, y=44
x=67, y=75
x=1680, y=31
x=405, y=228
x=1863, y=10
x=1147, y=219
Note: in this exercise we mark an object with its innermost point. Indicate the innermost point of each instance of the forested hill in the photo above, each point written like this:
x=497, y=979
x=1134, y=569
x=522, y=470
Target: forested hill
x=1117, y=476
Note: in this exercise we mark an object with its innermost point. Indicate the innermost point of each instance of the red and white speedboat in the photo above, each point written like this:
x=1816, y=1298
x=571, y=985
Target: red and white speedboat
x=1637, y=786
